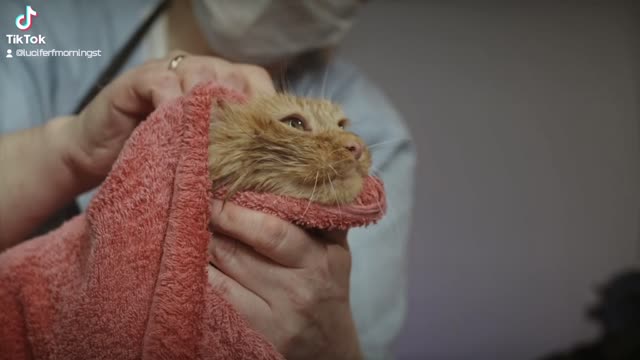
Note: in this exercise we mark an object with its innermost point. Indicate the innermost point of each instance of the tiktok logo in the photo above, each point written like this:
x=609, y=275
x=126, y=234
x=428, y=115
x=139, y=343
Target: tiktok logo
x=23, y=21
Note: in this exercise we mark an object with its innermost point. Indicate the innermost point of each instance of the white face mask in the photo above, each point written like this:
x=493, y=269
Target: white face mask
x=267, y=31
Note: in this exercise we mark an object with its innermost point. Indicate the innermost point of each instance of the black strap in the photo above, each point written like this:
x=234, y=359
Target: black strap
x=116, y=64
x=122, y=56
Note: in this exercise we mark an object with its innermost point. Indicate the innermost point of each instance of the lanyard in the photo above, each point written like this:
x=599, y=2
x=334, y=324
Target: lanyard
x=120, y=59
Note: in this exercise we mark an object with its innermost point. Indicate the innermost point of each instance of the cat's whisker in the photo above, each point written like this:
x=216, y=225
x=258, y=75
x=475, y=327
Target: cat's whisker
x=375, y=172
x=244, y=131
x=304, y=179
x=285, y=162
x=335, y=194
x=312, y=193
x=235, y=187
x=332, y=168
x=324, y=81
x=341, y=161
x=283, y=82
x=386, y=142
x=335, y=151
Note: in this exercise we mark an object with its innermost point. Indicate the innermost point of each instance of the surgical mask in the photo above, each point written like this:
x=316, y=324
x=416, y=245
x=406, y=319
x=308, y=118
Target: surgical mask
x=267, y=31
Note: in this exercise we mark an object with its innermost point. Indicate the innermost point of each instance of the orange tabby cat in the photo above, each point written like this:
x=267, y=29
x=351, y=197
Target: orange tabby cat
x=287, y=145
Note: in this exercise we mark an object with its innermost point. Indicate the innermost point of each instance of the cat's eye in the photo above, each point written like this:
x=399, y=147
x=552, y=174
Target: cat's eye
x=295, y=122
x=343, y=124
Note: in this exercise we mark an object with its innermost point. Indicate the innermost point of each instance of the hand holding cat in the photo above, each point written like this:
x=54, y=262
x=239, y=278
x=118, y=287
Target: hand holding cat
x=99, y=132
x=291, y=286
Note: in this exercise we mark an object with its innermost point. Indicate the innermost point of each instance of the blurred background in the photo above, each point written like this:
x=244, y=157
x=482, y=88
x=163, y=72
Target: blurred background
x=526, y=119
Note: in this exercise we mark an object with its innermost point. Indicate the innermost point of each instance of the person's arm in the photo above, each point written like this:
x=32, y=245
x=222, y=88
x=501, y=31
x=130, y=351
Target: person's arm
x=44, y=168
x=36, y=177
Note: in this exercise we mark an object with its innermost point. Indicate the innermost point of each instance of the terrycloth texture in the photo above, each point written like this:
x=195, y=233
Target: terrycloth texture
x=129, y=280
x=366, y=209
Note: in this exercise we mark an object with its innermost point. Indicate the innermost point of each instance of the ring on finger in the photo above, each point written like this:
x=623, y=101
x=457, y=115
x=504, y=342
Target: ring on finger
x=173, y=64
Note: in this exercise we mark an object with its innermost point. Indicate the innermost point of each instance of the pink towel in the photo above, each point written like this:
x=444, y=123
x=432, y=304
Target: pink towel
x=128, y=280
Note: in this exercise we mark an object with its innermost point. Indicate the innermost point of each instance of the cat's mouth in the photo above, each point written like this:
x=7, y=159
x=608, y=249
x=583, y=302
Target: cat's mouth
x=336, y=188
x=337, y=182
x=320, y=188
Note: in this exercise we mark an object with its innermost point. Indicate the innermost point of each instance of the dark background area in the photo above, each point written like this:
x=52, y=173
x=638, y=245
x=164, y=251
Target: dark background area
x=526, y=119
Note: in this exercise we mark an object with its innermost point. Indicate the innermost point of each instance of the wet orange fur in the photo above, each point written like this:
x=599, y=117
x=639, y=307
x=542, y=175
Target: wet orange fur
x=252, y=149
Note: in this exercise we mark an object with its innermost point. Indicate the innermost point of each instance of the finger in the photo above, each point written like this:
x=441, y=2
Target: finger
x=274, y=238
x=248, y=268
x=337, y=251
x=160, y=87
x=197, y=69
x=250, y=80
x=339, y=262
x=260, y=82
x=141, y=90
x=249, y=305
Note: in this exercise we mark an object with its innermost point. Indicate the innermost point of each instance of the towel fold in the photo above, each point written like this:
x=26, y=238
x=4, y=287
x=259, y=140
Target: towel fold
x=128, y=279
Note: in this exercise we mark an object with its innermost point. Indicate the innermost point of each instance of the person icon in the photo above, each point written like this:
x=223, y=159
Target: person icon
x=9, y=55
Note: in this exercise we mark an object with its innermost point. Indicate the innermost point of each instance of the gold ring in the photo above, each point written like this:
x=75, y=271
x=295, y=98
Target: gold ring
x=173, y=64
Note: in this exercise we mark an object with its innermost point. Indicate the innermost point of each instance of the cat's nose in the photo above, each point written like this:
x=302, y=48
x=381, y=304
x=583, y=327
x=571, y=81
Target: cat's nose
x=355, y=148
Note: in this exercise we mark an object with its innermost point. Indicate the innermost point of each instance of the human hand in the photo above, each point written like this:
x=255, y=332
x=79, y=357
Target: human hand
x=291, y=286
x=101, y=129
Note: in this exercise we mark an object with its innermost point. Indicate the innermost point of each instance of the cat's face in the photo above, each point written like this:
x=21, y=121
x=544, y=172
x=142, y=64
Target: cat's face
x=287, y=145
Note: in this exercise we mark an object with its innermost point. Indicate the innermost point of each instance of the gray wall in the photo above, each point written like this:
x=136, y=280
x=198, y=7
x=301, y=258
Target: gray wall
x=526, y=122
